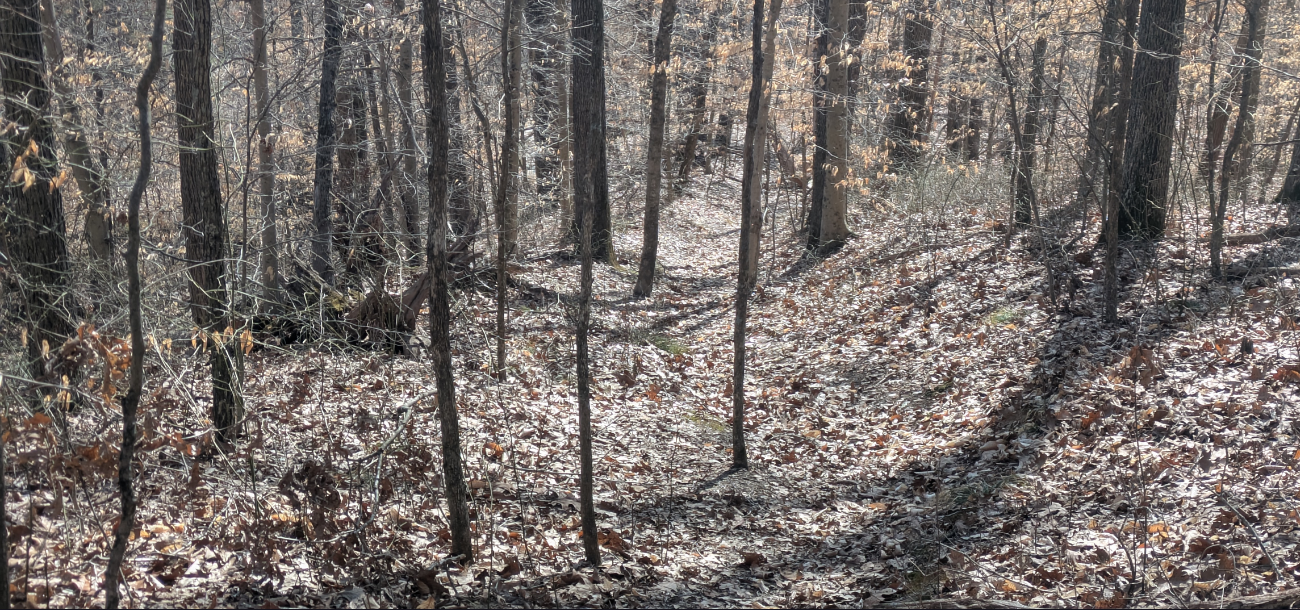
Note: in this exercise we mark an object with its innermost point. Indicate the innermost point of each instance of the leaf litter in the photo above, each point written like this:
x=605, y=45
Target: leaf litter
x=924, y=419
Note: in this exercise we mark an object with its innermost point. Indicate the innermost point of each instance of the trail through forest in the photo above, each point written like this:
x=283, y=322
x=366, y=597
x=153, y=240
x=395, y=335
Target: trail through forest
x=923, y=423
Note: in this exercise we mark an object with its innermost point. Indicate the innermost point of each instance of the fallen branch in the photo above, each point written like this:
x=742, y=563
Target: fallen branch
x=1284, y=599
x=1242, y=239
x=1241, y=271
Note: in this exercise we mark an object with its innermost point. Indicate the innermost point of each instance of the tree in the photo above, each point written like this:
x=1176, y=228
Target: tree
x=439, y=138
x=821, y=114
x=1256, y=21
x=87, y=171
x=1101, y=114
x=591, y=209
x=698, y=92
x=505, y=203
x=1148, y=147
x=270, y=263
x=655, y=153
x=907, y=130
x=322, y=209
x=1289, y=195
x=135, y=383
x=1115, y=160
x=201, y=205
x=406, y=150
x=590, y=162
x=546, y=21
x=33, y=203
x=835, y=195
x=751, y=218
x=1024, y=168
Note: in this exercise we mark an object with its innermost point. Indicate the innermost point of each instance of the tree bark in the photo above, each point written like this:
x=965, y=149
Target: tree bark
x=1101, y=114
x=835, y=198
x=201, y=205
x=86, y=170
x=322, y=205
x=751, y=218
x=433, y=57
x=406, y=151
x=590, y=162
x=135, y=383
x=1115, y=160
x=270, y=260
x=699, y=93
x=1029, y=137
x=1253, y=27
x=655, y=153
x=907, y=123
x=33, y=204
x=821, y=98
x=591, y=210
x=506, y=200
x=1148, y=148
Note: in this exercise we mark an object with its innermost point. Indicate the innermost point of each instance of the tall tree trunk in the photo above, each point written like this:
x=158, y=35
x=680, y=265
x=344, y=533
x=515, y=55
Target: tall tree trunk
x=590, y=160
x=1029, y=138
x=907, y=123
x=433, y=56
x=86, y=170
x=135, y=383
x=1289, y=196
x=1285, y=135
x=1256, y=21
x=270, y=262
x=835, y=195
x=751, y=209
x=33, y=204
x=1115, y=160
x=821, y=98
x=201, y=205
x=1148, y=148
x=406, y=112
x=699, y=92
x=1101, y=113
x=974, y=122
x=506, y=200
x=462, y=204
x=591, y=209
x=550, y=113
x=1216, y=122
x=655, y=153
x=322, y=206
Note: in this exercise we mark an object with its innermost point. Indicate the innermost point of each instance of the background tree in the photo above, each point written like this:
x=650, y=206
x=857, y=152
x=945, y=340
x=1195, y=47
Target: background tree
x=201, y=204
x=911, y=115
x=322, y=206
x=1149, y=144
x=655, y=153
x=36, y=239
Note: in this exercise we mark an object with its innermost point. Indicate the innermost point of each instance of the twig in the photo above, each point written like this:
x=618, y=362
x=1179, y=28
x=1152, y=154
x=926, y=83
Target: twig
x=410, y=409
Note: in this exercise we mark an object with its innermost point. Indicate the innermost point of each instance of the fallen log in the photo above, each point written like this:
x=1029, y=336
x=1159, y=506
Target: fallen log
x=1275, y=233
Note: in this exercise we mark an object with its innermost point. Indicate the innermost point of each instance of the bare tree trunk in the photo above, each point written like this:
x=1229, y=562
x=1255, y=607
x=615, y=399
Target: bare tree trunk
x=135, y=383
x=1254, y=27
x=821, y=97
x=322, y=205
x=1115, y=160
x=751, y=218
x=590, y=160
x=406, y=110
x=1148, y=148
x=433, y=57
x=86, y=170
x=270, y=262
x=591, y=193
x=906, y=131
x=655, y=154
x=201, y=204
x=699, y=92
x=1029, y=138
x=37, y=239
x=1285, y=135
x=835, y=198
x=506, y=202
x=1101, y=114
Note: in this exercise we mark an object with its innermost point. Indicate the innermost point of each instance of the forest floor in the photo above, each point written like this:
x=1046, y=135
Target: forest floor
x=923, y=422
